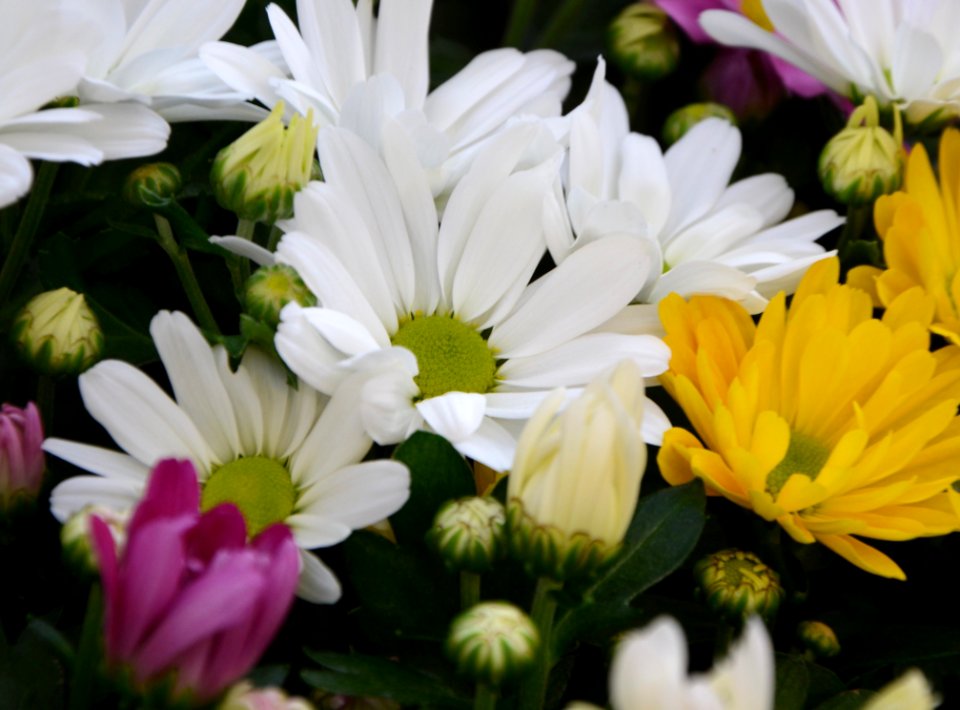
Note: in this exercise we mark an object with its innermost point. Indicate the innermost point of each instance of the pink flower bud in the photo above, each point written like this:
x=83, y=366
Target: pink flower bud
x=21, y=458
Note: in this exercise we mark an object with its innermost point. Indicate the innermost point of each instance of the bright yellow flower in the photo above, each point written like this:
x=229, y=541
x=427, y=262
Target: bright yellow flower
x=920, y=228
x=832, y=423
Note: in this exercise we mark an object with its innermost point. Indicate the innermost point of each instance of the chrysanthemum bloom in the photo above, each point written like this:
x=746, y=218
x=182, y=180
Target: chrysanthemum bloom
x=355, y=70
x=21, y=456
x=749, y=82
x=461, y=342
x=901, y=51
x=279, y=454
x=833, y=424
x=188, y=596
x=706, y=235
x=920, y=228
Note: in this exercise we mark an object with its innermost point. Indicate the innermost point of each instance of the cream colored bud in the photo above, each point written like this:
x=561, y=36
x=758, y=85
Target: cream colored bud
x=57, y=333
x=911, y=691
x=643, y=42
x=469, y=533
x=270, y=288
x=77, y=543
x=576, y=476
x=493, y=642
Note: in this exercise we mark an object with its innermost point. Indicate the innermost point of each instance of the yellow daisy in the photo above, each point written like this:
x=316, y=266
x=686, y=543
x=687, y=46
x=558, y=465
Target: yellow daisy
x=834, y=424
x=920, y=228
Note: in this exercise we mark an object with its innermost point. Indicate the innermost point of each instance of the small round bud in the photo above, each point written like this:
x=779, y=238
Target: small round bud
x=864, y=160
x=57, y=333
x=244, y=696
x=270, y=288
x=737, y=584
x=643, y=42
x=75, y=537
x=493, y=642
x=686, y=117
x=258, y=174
x=469, y=533
x=152, y=185
x=818, y=638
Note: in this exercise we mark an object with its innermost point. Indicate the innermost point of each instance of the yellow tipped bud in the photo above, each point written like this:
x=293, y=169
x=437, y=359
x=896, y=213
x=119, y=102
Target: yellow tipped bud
x=152, y=185
x=737, y=584
x=686, y=117
x=57, y=333
x=643, y=42
x=818, y=638
x=493, y=642
x=576, y=477
x=258, y=174
x=270, y=288
x=864, y=160
x=469, y=533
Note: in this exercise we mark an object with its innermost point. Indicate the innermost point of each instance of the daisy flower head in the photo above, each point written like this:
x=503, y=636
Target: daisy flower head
x=920, y=229
x=280, y=454
x=901, y=51
x=354, y=70
x=834, y=424
x=442, y=316
x=708, y=236
x=43, y=61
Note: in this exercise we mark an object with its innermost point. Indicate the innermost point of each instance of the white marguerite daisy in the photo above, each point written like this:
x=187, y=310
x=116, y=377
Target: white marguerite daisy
x=904, y=52
x=41, y=63
x=710, y=236
x=147, y=51
x=479, y=345
x=353, y=69
x=279, y=454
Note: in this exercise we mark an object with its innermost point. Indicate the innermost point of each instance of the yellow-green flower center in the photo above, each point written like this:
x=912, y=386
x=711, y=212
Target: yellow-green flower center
x=804, y=455
x=260, y=487
x=451, y=355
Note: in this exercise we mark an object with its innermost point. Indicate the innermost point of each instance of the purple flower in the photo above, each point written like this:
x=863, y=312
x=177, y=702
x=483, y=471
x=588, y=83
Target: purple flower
x=21, y=458
x=188, y=595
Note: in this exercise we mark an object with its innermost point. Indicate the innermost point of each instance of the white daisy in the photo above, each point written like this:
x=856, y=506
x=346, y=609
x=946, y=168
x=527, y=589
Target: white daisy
x=354, y=69
x=280, y=454
x=903, y=52
x=710, y=237
x=41, y=63
x=480, y=346
x=146, y=51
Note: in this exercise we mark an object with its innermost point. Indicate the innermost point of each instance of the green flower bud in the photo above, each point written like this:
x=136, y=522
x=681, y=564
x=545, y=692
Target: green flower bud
x=57, y=333
x=257, y=175
x=737, y=584
x=686, y=117
x=270, y=288
x=493, y=643
x=75, y=537
x=818, y=638
x=643, y=42
x=469, y=533
x=152, y=185
x=864, y=160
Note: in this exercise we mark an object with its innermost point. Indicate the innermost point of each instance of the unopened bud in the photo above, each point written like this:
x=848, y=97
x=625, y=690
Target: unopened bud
x=243, y=696
x=686, y=117
x=737, y=584
x=76, y=542
x=21, y=456
x=153, y=185
x=57, y=333
x=493, y=642
x=818, y=638
x=270, y=288
x=643, y=42
x=469, y=533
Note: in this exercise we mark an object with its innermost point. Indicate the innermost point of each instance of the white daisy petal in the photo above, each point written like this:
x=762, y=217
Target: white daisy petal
x=317, y=583
x=104, y=462
x=313, y=531
x=402, y=46
x=244, y=247
x=16, y=175
x=74, y=494
x=454, y=415
x=244, y=70
x=491, y=444
x=359, y=495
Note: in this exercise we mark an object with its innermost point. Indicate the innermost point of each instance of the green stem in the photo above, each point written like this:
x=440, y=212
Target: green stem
x=533, y=691
x=858, y=219
x=275, y=234
x=246, y=228
x=520, y=16
x=46, y=391
x=87, y=660
x=561, y=22
x=27, y=228
x=181, y=262
x=485, y=697
x=725, y=637
x=469, y=589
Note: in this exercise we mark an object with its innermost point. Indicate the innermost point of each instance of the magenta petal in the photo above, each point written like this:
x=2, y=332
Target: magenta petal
x=11, y=456
x=105, y=549
x=687, y=12
x=172, y=490
x=222, y=597
x=151, y=572
x=743, y=80
x=33, y=439
x=218, y=529
x=796, y=80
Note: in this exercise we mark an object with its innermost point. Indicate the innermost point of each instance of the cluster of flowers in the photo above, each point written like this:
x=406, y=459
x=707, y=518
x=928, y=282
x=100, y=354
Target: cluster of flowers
x=477, y=263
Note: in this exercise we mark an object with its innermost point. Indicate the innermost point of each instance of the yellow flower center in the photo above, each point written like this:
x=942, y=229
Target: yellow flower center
x=260, y=487
x=451, y=355
x=804, y=455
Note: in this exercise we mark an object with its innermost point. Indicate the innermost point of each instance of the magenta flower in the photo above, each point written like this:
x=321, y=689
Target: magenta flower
x=188, y=596
x=21, y=455
x=747, y=81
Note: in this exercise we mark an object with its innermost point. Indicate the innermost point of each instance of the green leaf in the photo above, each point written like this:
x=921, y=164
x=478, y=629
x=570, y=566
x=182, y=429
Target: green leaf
x=358, y=675
x=793, y=682
x=437, y=473
x=32, y=671
x=848, y=700
x=405, y=591
x=664, y=531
